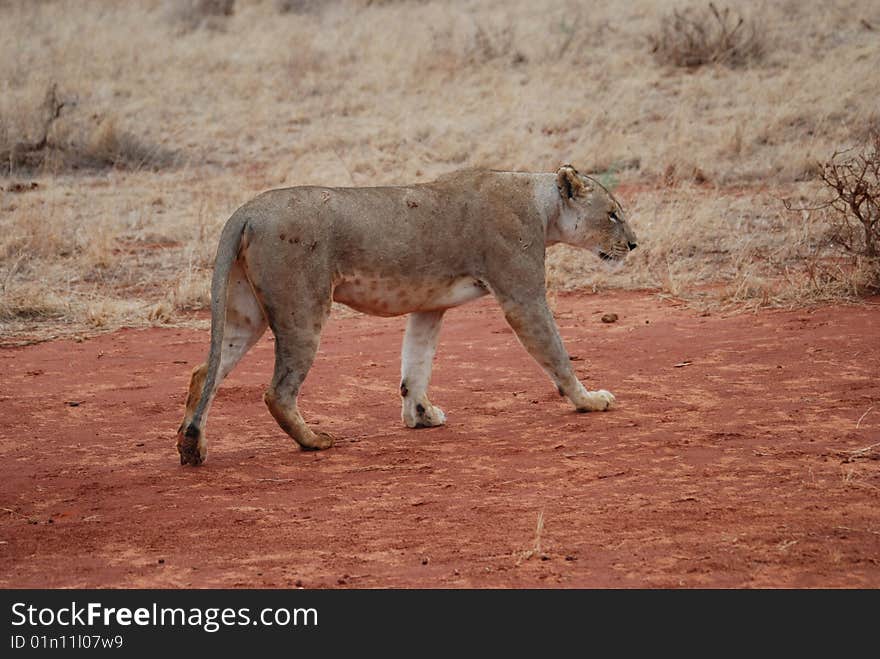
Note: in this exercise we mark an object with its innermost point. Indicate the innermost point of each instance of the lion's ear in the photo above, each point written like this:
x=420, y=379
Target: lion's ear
x=569, y=182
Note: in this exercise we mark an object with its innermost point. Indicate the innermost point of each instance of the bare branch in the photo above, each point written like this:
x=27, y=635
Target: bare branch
x=51, y=109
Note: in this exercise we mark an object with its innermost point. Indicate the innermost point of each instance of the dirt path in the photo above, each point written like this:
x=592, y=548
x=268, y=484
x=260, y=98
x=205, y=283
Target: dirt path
x=731, y=470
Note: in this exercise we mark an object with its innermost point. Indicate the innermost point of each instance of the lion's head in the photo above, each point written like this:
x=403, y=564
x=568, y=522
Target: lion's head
x=590, y=217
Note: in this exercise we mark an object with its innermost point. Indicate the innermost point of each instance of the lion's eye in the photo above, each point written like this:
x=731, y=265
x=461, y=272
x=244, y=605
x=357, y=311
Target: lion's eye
x=613, y=216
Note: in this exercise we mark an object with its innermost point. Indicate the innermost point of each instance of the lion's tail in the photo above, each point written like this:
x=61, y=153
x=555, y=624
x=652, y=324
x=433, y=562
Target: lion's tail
x=227, y=253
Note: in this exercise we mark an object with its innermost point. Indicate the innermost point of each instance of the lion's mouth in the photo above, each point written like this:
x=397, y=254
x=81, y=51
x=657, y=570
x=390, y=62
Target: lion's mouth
x=617, y=253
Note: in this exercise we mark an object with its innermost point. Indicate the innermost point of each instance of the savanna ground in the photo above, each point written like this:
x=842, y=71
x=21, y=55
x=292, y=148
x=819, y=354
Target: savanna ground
x=130, y=131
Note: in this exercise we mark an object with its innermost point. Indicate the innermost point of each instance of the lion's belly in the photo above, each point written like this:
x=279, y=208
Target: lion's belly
x=387, y=297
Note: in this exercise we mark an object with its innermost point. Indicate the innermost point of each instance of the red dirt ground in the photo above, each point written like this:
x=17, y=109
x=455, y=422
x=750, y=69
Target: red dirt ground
x=740, y=468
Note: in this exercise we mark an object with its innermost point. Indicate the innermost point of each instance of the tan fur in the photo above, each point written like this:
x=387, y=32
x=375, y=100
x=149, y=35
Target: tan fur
x=417, y=249
x=196, y=383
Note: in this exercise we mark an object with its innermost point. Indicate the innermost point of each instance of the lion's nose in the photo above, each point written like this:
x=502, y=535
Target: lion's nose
x=631, y=246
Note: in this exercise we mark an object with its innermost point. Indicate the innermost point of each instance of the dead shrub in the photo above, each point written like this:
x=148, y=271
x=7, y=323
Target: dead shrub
x=298, y=6
x=477, y=43
x=697, y=36
x=193, y=14
x=851, y=210
x=66, y=140
x=853, y=180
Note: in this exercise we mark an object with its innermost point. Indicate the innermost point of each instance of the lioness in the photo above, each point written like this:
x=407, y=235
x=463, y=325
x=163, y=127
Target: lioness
x=416, y=249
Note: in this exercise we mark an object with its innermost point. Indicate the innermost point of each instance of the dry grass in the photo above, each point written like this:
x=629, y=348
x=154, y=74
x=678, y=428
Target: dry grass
x=536, y=549
x=183, y=125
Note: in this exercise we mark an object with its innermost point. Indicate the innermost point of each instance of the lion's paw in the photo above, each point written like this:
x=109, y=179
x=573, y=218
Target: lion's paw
x=193, y=448
x=597, y=401
x=319, y=441
x=423, y=416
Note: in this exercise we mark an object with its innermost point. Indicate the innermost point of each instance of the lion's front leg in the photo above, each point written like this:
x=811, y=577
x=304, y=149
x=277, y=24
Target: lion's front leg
x=419, y=346
x=533, y=323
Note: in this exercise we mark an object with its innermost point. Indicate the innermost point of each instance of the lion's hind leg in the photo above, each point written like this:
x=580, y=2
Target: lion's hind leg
x=297, y=335
x=245, y=323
